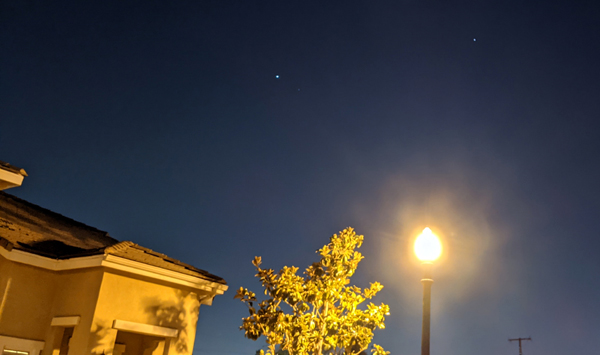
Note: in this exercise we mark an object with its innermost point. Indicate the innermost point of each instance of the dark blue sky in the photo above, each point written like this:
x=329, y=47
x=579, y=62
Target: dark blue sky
x=165, y=124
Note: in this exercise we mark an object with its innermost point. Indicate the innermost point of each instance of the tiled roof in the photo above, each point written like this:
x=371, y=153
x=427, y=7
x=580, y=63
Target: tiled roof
x=38, y=230
x=132, y=251
x=28, y=227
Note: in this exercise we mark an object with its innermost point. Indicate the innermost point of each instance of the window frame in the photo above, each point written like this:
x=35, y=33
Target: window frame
x=33, y=347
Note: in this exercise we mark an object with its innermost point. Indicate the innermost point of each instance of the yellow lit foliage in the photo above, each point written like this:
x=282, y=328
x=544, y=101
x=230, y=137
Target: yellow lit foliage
x=323, y=316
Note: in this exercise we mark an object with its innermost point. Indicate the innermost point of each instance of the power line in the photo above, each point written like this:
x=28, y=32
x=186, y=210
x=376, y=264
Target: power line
x=519, y=340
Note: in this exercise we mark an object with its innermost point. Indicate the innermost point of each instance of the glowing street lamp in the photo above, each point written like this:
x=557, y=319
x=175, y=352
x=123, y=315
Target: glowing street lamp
x=427, y=248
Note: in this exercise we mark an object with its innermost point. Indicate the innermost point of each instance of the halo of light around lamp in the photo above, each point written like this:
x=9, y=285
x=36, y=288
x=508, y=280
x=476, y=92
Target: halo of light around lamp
x=428, y=246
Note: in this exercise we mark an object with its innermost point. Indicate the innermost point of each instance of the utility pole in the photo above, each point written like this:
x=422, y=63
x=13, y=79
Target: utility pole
x=519, y=340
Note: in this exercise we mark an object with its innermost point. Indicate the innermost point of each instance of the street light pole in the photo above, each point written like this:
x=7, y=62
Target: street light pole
x=428, y=248
x=425, y=332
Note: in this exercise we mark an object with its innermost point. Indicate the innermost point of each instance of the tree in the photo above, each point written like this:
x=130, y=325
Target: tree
x=323, y=314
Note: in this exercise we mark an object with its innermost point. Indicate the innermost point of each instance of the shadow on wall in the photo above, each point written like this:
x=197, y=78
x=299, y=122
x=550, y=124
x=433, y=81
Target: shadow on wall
x=177, y=314
x=100, y=337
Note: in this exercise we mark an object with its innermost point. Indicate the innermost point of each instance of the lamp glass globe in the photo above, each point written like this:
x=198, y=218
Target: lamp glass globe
x=428, y=246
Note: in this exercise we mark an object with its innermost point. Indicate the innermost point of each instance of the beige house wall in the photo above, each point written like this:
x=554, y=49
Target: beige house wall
x=140, y=300
x=27, y=294
x=76, y=295
x=30, y=297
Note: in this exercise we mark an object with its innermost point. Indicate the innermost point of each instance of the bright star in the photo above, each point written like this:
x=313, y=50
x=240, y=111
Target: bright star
x=276, y=76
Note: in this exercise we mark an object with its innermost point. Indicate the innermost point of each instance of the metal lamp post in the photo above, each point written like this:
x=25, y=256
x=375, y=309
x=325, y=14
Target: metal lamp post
x=427, y=248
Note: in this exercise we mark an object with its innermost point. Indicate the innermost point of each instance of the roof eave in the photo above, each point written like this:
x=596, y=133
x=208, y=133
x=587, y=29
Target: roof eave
x=116, y=263
x=9, y=178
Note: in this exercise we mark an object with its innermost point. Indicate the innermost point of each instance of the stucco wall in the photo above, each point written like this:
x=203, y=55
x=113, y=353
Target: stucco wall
x=27, y=294
x=76, y=295
x=30, y=297
x=143, y=301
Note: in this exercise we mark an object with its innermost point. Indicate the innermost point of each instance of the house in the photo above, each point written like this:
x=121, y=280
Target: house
x=68, y=288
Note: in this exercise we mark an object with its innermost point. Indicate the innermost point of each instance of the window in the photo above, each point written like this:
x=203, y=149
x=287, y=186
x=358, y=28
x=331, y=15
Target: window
x=14, y=352
x=19, y=346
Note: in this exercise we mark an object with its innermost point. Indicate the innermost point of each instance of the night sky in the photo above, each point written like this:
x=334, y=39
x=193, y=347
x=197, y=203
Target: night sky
x=215, y=131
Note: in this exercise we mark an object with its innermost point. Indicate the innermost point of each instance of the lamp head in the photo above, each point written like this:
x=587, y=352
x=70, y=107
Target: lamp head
x=428, y=246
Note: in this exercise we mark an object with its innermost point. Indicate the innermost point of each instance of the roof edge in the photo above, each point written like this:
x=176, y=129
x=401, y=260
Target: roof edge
x=114, y=249
x=6, y=166
x=114, y=262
